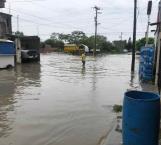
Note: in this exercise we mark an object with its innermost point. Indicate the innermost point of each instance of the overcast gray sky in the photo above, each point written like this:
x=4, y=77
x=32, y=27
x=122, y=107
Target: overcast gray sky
x=64, y=16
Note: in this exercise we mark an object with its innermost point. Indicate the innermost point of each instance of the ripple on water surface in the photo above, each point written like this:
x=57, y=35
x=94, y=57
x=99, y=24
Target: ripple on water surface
x=58, y=102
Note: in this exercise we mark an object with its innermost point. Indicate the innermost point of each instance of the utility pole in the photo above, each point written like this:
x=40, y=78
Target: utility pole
x=148, y=13
x=147, y=32
x=121, y=43
x=158, y=50
x=9, y=7
x=96, y=24
x=38, y=30
x=121, y=36
x=134, y=38
x=17, y=23
x=18, y=43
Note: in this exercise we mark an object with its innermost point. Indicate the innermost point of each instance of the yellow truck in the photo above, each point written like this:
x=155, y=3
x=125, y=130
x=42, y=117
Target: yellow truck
x=75, y=49
x=71, y=48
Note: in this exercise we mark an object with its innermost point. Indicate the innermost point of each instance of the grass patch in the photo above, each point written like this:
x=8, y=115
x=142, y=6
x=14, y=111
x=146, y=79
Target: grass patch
x=117, y=108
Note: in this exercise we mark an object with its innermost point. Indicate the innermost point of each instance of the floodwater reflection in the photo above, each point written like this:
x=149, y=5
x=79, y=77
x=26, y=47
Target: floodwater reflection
x=7, y=100
x=83, y=71
x=28, y=74
x=58, y=102
x=10, y=81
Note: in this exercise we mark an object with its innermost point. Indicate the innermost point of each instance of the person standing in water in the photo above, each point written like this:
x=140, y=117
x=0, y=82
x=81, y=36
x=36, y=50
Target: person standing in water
x=83, y=56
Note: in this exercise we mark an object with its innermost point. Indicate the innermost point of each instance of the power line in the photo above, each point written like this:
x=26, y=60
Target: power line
x=41, y=18
x=27, y=0
x=46, y=19
x=54, y=24
x=44, y=24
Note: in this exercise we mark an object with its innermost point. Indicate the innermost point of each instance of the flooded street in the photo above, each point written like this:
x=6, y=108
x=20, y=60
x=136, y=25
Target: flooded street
x=57, y=102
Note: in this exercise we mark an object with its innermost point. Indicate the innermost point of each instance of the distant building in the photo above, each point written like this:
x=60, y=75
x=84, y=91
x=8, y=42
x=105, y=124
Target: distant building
x=97, y=50
x=120, y=44
x=2, y=3
x=5, y=24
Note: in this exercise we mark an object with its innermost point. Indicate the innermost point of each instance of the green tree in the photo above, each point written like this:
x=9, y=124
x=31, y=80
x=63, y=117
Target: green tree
x=64, y=37
x=141, y=42
x=102, y=43
x=74, y=38
x=55, y=43
x=54, y=36
x=108, y=47
x=18, y=33
x=77, y=36
x=89, y=41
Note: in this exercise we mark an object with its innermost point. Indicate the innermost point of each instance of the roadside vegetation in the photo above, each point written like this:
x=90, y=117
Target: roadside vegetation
x=117, y=108
x=141, y=42
x=57, y=41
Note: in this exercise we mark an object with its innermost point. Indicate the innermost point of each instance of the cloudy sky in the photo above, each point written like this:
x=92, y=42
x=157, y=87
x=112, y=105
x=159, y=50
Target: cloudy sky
x=42, y=17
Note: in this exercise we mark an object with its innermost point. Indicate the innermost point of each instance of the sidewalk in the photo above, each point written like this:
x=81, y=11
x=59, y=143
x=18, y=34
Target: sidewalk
x=115, y=136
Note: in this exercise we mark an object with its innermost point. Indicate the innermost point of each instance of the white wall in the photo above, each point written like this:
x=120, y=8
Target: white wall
x=6, y=60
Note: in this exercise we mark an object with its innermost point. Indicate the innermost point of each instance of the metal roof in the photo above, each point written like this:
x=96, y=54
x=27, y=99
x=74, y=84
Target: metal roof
x=71, y=45
x=4, y=40
x=5, y=14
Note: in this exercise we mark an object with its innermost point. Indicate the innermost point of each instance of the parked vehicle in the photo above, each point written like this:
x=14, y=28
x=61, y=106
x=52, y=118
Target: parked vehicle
x=71, y=48
x=30, y=48
x=75, y=49
x=28, y=55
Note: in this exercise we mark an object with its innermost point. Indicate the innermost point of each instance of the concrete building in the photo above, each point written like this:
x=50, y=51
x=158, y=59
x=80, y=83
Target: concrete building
x=5, y=24
x=2, y=3
x=120, y=44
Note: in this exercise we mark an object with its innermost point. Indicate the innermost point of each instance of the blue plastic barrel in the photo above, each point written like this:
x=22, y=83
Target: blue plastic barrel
x=7, y=48
x=141, y=118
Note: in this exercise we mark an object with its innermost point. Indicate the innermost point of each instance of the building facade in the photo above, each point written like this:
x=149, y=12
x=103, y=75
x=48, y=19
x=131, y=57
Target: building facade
x=5, y=25
x=120, y=44
x=2, y=3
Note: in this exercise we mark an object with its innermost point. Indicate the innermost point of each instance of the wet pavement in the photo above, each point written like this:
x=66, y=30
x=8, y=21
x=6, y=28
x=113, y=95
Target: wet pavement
x=58, y=102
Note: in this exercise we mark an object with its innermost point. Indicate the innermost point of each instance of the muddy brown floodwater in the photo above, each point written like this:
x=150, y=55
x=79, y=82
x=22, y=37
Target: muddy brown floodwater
x=57, y=102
